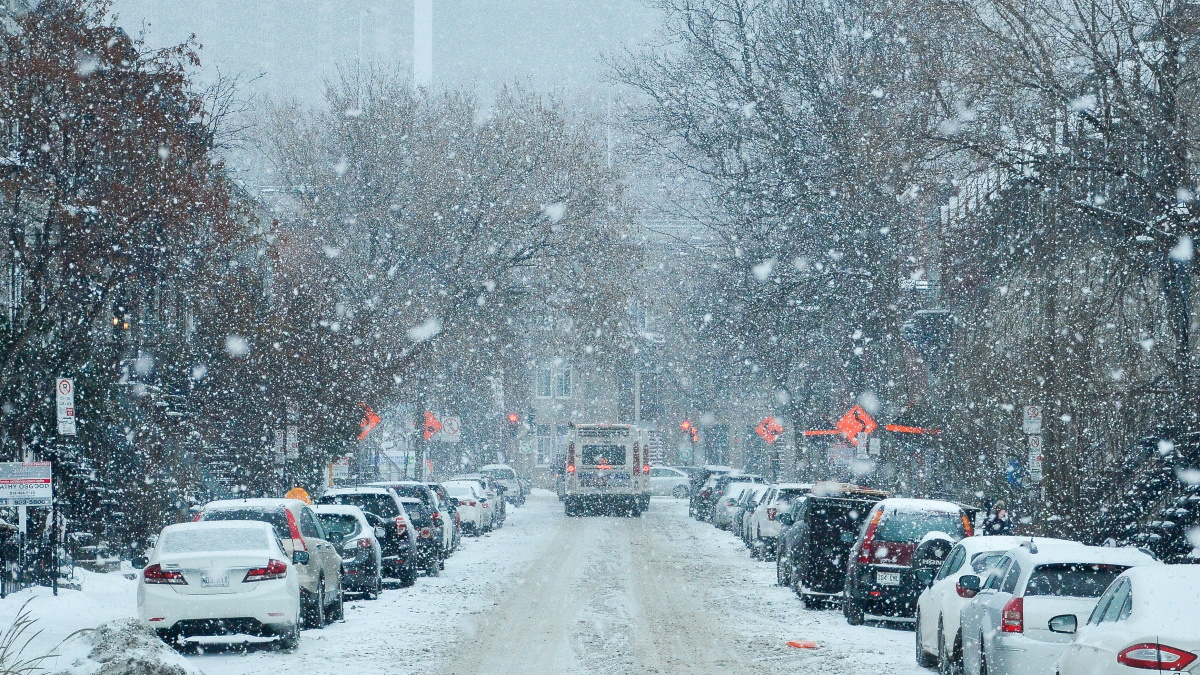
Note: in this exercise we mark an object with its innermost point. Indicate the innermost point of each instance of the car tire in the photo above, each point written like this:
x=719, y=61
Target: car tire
x=949, y=658
x=408, y=574
x=337, y=609
x=924, y=659
x=289, y=641
x=982, y=658
x=433, y=567
x=315, y=616
x=779, y=576
x=679, y=492
x=810, y=602
x=376, y=589
x=853, y=611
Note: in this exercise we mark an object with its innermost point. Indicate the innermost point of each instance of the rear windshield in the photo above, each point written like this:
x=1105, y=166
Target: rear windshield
x=911, y=526
x=341, y=523
x=1073, y=580
x=595, y=455
x=275, y=517
x=413, y=491
x=500, y=474
x=381, y=505
x=223, y=539
x=459, y=491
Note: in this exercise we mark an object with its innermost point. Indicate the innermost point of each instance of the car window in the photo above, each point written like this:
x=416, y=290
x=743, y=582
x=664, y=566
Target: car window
x=1102, y=605
x=993, y=580
x=379, y=503
x=1113, y=611
x=341, y=523
x=275, y=517
x=308, y=525
x=982, y=562
x=1074, y=580
x=657, y=473
x=1009, y=585
x=953, y=562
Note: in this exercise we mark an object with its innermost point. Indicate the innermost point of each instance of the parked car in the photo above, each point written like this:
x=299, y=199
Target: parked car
x=435, y=514
x=1006, y=628
x=764, y=526
x=700, y=489
x=399, y=546
x=468, y=495
x=454, y=519
x=1148, y=619
x=515, y=489
x=714, y=489
x=879, y=577
x=668, y=482
x=319, y=572
x=430, y=550
x=493, y=493
x=938, y=638
x=722, y=510
x=746, y=506
x=820, y=531
x=348, y=528
x=217, y=578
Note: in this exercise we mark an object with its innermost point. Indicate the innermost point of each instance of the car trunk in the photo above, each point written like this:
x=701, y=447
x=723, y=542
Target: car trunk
x=215, y=573
x=833, y=525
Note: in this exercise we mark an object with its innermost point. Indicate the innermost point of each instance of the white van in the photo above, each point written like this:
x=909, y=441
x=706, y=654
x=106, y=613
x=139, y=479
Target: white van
x=607, y=468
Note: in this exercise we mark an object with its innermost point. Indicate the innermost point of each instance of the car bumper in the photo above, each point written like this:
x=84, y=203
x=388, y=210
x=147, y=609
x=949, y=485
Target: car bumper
x=271, y=604
x=891, y=601
x=1019, y=655
x=358, y=574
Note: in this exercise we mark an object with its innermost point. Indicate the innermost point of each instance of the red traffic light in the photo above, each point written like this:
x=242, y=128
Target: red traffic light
x=685, y=425
x=513, y=418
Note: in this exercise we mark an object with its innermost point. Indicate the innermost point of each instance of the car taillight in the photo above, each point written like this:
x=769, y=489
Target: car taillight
x=276, y=569
x=1154, y=656
x=1012, y=617
x=436, y=516
x=471, y=503
x=771, y=513
x=426, y=533
x=401, y=525
x=199, y=515
x=294, y=530
x=864, y=554
x=155, y=574
x=729, y=502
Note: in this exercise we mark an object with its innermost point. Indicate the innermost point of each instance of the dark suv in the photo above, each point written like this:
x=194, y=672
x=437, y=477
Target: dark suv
x=880, y=577
x=399, y=545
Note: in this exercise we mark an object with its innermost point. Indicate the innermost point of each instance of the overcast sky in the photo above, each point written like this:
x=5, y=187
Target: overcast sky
x=552, y=46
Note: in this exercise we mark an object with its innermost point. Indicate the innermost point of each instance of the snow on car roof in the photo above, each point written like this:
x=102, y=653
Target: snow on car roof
x=1053, y=553
x=907, y=504
x=1165, y=594
x=366, y=489
x=260, y=502
x=485, y=467
x=220, y=525
x=341, y=509
x=1006, y=542
x=794, y=486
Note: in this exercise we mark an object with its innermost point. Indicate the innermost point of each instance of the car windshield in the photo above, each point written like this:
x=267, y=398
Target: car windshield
x=1076, y=580
x=381, y=504
x=911, y=526
x=215, y=540
x=599, y=455
x=344, y=524
x=275, y=517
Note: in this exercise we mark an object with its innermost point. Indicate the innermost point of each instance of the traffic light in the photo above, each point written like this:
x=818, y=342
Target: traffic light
x=688, y=428
x=685, y=425
x=514, y=419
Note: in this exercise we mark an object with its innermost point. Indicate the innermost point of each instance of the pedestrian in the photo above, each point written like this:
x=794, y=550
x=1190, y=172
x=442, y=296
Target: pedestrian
x=998, y=521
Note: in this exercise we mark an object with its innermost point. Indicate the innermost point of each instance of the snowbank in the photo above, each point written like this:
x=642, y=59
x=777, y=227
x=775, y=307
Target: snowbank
x=128, y=647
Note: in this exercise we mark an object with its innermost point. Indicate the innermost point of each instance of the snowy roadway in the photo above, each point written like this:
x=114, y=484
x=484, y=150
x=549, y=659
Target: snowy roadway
x=550, y=594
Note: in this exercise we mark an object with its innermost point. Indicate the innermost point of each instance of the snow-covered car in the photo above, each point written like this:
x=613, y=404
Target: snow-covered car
x=223, y=577
x=362, y=558
x=937, y=636
x=399, y=545
x=1148, y=619
x=740, y=517
x=722, y=509
x=880, y=578
x=468, y=495
x=715, y=488
x=495, y=502
x=320, y=573
x=668, y=482
x=1006, y=628
x=453, y=520
x=764, y=526
x=503, y=474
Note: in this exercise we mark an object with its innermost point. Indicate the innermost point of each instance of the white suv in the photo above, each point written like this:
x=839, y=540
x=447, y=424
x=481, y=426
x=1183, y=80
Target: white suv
x=764, y=526
x=1006, y=627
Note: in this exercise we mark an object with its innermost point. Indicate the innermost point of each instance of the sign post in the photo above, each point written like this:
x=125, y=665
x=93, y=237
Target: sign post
x=64, y=393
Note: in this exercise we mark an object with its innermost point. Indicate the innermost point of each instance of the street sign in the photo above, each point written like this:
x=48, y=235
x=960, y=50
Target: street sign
x=525, y=447
x=369, y=421
x=1032, y=422
x=875, y=446
x=293, y=442
x=856, y=423
x=64, y=391
x=1035, y=443
x=769, y=429
x=451, y=430
x=26, y=484
x=1035, y=458
x=432, y=425
x=339, y=469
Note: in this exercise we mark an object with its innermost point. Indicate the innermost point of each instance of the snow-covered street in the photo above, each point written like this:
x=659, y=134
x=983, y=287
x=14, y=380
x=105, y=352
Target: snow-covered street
x=549, y=594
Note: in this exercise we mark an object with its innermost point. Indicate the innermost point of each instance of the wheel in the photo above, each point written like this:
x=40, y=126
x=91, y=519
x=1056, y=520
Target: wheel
x=982, y=657
x=337, y=611
x=408, y=575
x=924, y=659
x=288, y=642
x=809, y=601
x=949, y=658
x=315, y=616
x=376, y=589
x=854, y=612
x=679, y=492
x=779, y=575
x=433, y=566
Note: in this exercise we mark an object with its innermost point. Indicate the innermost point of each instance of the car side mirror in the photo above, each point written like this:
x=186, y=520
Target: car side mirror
x=1064, y=623
x=140, y=562
x=300, y=557
x=968, y=586
x=381, y=532
x=786, y=520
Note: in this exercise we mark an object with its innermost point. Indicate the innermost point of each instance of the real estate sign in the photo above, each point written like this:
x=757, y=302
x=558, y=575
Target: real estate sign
x=25, y=484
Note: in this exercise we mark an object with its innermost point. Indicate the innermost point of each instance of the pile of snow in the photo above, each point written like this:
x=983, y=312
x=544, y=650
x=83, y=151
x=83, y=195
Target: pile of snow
x=128, y=647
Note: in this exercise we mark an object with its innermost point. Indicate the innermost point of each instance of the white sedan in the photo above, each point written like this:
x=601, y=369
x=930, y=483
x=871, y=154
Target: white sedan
x=1148, y=619
x=219, y=578
x=468, y=496
x=666, y=481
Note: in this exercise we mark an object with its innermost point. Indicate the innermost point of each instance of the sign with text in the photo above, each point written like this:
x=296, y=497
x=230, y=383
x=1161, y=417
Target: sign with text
x=1031, y=423
x=64, y=394
x=25, y=484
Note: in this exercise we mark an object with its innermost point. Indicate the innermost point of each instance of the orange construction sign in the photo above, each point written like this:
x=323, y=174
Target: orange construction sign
x=856, y=423
x=370, y=420
x=432, y=425
x=769, y=429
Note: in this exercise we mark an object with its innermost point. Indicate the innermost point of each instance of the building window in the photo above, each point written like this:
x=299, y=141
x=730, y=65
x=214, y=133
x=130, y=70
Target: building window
x=545, y=445
x=562, y=383
x=543, y=388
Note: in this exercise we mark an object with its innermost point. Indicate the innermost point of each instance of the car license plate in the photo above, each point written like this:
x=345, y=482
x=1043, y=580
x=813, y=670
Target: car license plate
x=214, y=581
x=887, y=578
